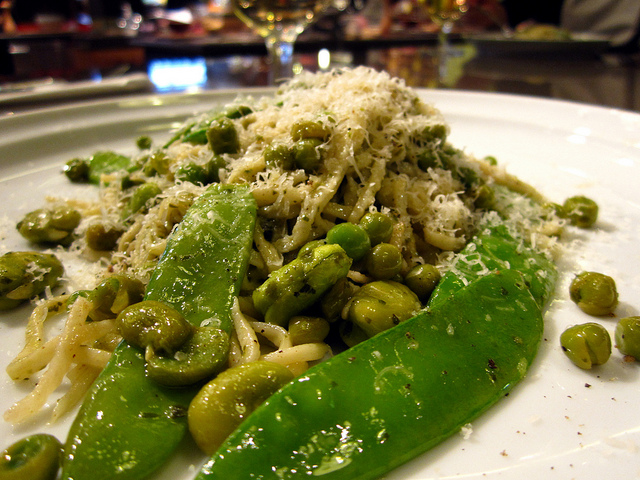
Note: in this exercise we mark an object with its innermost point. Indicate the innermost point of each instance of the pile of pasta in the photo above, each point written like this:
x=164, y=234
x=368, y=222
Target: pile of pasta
x=386, y=151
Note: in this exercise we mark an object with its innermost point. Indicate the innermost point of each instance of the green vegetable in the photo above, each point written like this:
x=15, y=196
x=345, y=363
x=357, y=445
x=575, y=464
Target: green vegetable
x=595, y=293
x=24, y=275
x=416, y=384
x=223, y=137
x=102, y=237
x=298, y=284
x=50, y=225
x=141, y=199
x=119, y=432
x=111, y=296
x=229, y=398
x=308, y=330
x=627, y=336
x=384, y=261
x=378, y=226
x=581, y=211
x=102, y=163
x=353, y=238
x=380, y=305
x=36, y=457
x=307, y=154
x=77, y=170
x=203, y=355
x=422, y=280
x=586, y=345
x=153, y=326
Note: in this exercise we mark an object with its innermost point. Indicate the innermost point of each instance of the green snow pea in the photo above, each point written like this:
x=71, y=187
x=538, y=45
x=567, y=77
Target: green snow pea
x=129, y=425
x=495, y=249
x=417, y=384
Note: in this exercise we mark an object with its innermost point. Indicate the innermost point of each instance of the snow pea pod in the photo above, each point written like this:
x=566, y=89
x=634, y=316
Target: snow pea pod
x=129, y=425
x=417, y=384
x=498, y=249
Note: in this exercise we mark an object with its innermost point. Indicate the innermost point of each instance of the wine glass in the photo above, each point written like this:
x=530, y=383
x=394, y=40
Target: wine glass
x=279, y=22
x=444, y=13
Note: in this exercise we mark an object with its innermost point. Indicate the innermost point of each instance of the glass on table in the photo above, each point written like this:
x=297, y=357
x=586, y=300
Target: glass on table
x=444, y=13
x=279, y=22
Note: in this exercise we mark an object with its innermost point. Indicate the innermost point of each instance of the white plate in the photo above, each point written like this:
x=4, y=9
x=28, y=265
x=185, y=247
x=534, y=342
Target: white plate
x=560, y=422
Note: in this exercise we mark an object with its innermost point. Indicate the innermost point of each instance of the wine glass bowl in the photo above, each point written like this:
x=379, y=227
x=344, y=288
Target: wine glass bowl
x=279, y=22
x=446, y=12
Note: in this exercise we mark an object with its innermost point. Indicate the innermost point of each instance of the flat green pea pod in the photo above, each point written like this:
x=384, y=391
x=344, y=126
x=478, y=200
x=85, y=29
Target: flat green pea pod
x=119, y=432
x=36, y=457
x=24, y=275
x=223, y=403
x=427, y=377
x=498, y=249
x=298, y=284
x=50, y=225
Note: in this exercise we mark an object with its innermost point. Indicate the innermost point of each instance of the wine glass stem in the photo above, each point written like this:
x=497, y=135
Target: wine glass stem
x=444, y=51
x=281, y=59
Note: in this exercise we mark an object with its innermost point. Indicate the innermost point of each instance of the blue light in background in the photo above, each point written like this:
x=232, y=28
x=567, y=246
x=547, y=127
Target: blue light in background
x=177, y=73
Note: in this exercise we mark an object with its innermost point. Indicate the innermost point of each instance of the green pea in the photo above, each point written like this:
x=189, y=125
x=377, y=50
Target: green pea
x=193, y=173
x=278, y=156
x=595, y=293
x=153, y=326
x=352, y=238
x=102, y=238
x=627, y=336
x=378, y=226
x=384, y=261
x=380, y=305
x=77, y=170
x=586, y=345
x=422, y=280
x=308, y=330
x=144, y=142
x=581, y=211
x=307, y=154
x=306, y=129
x=223, y=137
x=223, y=403
x=202, y=356
x=36, y=457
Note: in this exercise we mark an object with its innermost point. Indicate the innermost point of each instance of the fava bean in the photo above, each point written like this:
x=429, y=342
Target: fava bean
x=228, y=399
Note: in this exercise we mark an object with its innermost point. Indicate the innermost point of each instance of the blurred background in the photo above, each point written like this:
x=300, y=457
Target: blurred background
x=579, y=50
